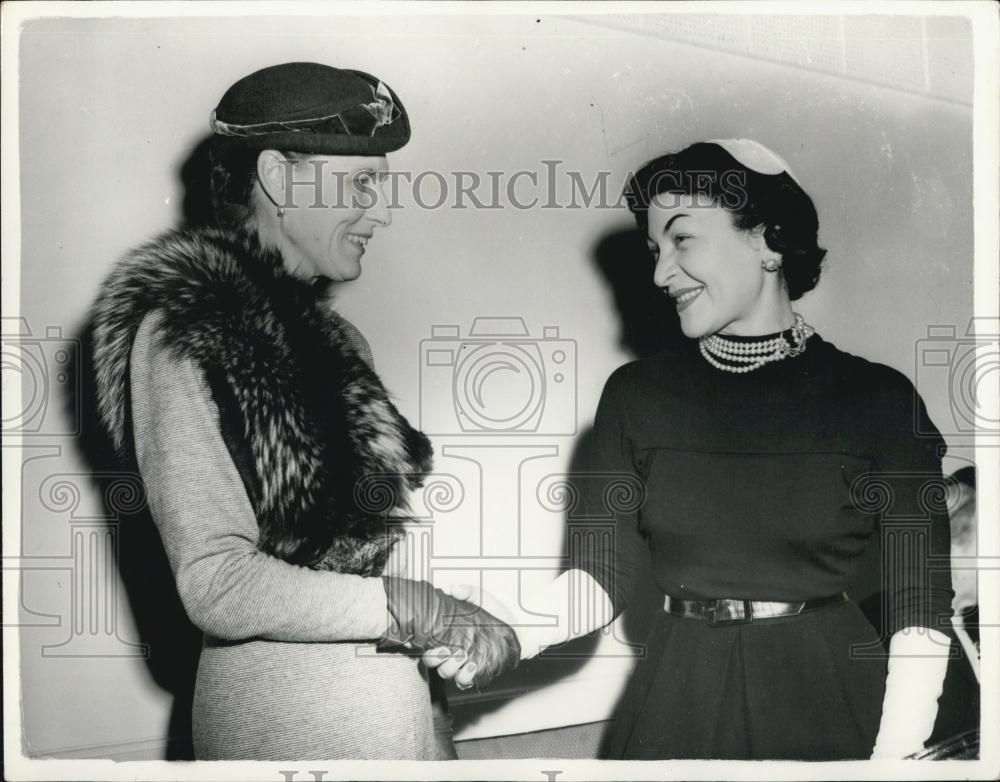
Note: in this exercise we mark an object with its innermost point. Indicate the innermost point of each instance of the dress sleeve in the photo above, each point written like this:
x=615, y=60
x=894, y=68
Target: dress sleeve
x=914, y=529
x=229, y=588
x=606, y=543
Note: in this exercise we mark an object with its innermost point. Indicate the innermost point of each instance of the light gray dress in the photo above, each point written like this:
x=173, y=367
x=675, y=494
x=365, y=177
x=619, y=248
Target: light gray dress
x=288, y=669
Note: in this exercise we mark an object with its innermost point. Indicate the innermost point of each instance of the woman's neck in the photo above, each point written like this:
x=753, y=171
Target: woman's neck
x=772, y=314
x=269, y=235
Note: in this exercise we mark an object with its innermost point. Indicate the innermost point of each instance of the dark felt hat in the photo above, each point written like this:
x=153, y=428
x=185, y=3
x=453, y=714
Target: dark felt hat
x=313, y=108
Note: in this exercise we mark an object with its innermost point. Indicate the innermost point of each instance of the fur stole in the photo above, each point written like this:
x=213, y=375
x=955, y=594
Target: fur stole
x=308, y=423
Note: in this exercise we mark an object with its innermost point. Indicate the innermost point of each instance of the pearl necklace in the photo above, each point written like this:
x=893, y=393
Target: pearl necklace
x=745, y=356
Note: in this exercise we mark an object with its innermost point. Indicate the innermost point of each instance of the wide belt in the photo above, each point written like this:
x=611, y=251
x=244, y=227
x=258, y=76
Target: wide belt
x=724, y=611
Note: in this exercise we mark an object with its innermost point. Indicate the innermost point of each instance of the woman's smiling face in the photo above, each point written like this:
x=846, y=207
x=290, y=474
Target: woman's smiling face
x=709, y=268
x=334, y=204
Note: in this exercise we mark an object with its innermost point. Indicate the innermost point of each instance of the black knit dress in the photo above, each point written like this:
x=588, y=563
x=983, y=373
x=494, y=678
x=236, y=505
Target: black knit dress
x=767, y=485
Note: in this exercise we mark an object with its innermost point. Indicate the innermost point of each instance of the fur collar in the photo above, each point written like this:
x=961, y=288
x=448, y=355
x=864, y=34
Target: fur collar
x=316, y=435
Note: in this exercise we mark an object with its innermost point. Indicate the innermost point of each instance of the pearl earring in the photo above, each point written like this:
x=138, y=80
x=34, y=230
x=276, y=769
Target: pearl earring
x=771, y=264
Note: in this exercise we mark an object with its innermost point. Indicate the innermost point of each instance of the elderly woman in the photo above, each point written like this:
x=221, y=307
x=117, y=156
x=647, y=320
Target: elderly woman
x=253, y=414
x=768, y=458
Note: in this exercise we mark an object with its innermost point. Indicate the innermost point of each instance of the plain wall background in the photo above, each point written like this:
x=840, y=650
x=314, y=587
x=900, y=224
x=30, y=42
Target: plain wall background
x=111, y=109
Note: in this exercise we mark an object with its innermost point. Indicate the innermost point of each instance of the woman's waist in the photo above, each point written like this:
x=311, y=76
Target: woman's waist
x=711, y=573
x=263, y=653
x=736, y=610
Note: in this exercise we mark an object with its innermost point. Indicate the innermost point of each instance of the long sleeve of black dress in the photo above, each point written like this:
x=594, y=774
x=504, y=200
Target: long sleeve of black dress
x=905, y=493
x=605, y=538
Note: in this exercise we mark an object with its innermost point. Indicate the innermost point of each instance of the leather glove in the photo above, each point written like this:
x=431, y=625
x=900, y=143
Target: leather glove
x=425, y=618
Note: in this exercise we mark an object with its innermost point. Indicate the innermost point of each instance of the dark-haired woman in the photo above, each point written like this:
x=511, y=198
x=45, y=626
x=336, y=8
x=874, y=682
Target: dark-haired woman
x=257, y=423
x=768, y=459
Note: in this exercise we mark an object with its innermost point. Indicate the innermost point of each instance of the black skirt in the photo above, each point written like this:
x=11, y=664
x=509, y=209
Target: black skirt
x=806, y=687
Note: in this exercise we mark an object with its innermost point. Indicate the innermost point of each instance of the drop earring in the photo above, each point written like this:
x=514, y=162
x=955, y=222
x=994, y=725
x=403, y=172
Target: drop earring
x=281, y=211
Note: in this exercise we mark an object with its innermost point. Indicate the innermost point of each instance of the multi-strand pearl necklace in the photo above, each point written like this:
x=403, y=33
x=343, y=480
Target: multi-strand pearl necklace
x=741, y=356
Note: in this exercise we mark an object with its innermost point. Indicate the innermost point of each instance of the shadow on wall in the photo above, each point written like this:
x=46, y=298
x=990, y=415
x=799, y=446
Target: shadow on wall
x=649, y=324
x=649, y=320
x=561, y=662
x=550, y=667
x=174, y=643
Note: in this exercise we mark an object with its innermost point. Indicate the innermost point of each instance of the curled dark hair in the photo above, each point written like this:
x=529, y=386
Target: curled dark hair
x=233, y=175
x=774, y=201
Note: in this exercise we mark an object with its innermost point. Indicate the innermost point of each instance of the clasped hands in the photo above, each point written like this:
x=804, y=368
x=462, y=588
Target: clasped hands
x=460, y=639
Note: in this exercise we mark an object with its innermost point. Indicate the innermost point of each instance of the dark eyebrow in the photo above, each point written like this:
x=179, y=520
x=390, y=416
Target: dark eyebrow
x=670, y=222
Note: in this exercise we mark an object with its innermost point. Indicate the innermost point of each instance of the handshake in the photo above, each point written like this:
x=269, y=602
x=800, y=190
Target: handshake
x=462, y=640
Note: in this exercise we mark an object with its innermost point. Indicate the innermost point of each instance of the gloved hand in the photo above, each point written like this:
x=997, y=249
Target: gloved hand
x=918, y=661
x=577, y=603
x=426, y=618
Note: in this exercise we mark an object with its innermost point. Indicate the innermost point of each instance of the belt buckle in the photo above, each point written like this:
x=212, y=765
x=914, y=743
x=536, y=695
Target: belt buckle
x=729, y=612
